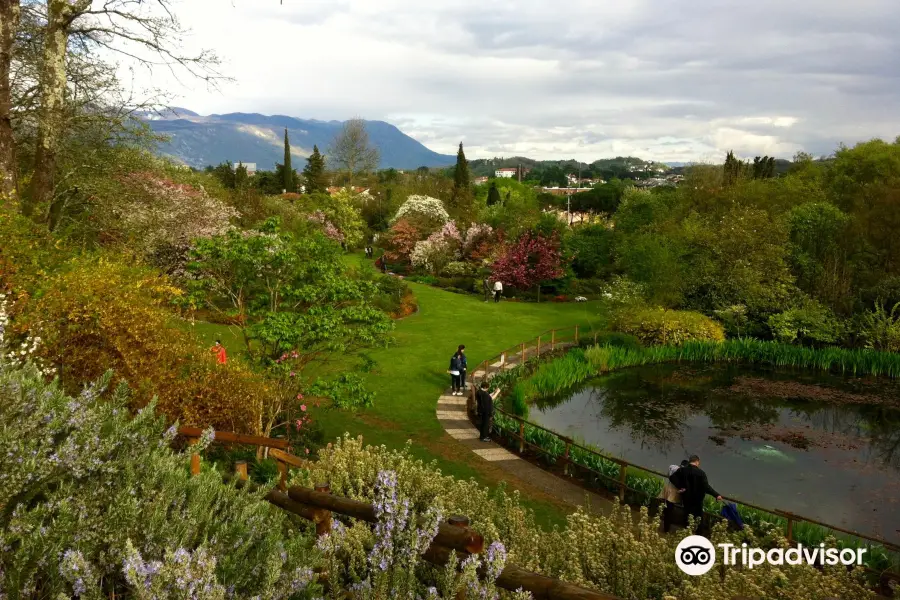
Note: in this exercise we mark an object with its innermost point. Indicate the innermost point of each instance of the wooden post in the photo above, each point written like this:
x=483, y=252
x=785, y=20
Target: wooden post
x=461, y=522
x=552, y=339
x=282, y=475
x=502, y=361
x=521, y=437
x=576, y=335
x=195, y=457
x=323, y=517
x=790, y=529
x=595, y=338
x=566, y=457
x=539, y=346
x=240, y=469
x=523, y=353
x=622, y=472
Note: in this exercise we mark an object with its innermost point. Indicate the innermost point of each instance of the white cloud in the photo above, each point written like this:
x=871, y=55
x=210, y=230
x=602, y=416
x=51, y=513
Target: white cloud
x=572, y=78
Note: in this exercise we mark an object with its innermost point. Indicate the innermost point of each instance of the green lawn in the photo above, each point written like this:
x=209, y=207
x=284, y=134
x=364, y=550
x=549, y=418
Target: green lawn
x=411, y=374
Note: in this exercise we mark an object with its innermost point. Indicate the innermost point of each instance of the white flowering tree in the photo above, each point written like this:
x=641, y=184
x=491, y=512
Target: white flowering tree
x=424, y=211
x=441, y=248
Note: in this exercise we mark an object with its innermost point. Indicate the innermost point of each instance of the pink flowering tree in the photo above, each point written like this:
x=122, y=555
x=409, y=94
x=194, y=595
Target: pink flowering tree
x=442, y=247
x=529, y=261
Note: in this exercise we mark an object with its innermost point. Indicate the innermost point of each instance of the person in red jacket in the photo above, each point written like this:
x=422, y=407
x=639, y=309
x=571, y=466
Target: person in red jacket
x=219, y=350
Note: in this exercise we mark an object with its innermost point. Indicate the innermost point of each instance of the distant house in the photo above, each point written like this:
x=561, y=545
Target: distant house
x=558, y=191
x=480, y=180
x=251, y=167
x=506, y=172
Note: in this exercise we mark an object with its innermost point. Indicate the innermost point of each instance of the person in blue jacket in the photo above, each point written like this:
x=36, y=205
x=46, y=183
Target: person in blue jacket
x=464, y=364
x=455, y=371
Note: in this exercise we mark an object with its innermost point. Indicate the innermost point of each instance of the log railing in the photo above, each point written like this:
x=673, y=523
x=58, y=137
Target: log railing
x=571, y=336
x=318, y=505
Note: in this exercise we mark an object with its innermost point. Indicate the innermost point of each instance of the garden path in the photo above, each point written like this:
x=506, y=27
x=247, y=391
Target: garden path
x=451, y=413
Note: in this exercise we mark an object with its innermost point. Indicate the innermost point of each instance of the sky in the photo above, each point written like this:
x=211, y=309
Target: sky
x=554, y=79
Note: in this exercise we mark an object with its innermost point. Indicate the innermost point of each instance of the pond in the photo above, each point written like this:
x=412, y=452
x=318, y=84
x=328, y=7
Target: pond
x=822, y=446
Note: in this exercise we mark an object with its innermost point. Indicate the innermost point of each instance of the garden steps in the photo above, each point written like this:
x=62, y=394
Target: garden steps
x=452, y=413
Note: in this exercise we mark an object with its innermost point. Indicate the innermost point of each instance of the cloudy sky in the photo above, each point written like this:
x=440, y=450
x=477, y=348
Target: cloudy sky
x=660, y=79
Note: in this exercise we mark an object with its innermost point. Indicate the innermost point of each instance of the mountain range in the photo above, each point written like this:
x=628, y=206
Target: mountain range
x=197, y=140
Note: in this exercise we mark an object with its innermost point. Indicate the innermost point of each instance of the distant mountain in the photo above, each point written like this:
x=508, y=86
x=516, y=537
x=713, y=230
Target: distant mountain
x=198, y=140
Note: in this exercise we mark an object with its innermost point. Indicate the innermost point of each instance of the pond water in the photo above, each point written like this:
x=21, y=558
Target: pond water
x=821, y=446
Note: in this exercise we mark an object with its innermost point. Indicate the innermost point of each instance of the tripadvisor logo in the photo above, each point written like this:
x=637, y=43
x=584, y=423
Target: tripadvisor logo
x=696, y=555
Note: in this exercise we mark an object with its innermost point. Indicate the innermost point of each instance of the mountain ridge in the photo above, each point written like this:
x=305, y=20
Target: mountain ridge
x=201, y=140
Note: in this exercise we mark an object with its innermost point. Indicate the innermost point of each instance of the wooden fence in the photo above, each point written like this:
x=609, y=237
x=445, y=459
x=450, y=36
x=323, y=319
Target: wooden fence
x=571, y=336
x=318, y=504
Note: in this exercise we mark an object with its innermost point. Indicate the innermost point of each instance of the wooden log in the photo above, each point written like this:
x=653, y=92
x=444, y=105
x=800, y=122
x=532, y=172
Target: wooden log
x=457, y=538
x=195, y=457
x=290, y=459
x=240, y=469
x=282, y=475
x=323, y=517
x=236, y=438
x=545, y=588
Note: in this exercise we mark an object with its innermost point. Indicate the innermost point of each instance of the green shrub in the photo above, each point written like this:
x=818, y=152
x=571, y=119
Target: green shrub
x=618, y=340
x=674, y=327
x=426, y=279
x=880, y=328
x=810, y=324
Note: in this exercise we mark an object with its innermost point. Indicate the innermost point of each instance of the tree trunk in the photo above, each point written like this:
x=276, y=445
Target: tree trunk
x=60, y=14
x=9, y=22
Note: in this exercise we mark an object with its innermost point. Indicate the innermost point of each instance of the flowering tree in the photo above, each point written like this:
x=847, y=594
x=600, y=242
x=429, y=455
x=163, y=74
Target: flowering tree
x=425, y=211
x=441, y=247
x=160, y=218
x=528, y=262
x=477, y=242
x=328, y=227
x=401, y=240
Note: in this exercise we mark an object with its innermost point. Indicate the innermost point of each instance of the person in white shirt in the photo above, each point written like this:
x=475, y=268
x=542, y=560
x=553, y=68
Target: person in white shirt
x=498, y=290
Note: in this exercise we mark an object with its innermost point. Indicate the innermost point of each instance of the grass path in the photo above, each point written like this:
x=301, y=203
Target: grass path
x=411, y=374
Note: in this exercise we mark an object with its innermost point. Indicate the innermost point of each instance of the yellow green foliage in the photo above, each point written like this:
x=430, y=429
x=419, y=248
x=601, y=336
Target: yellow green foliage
x=672, y=327
x=98, y=314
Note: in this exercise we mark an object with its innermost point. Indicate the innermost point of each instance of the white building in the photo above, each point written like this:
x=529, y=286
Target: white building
x=251, y=167
x=506, y=172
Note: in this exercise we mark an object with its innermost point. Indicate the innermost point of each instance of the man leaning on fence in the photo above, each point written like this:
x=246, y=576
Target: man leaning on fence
x=486, y=409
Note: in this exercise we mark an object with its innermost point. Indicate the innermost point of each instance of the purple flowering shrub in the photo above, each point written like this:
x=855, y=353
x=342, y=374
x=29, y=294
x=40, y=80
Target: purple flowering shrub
x=387, y=562
x=91, y=494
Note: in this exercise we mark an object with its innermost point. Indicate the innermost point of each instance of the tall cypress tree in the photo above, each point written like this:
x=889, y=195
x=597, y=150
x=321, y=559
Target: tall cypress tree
x=314, y=172
x=288, y=170
x=461, y=201
x=493, y=196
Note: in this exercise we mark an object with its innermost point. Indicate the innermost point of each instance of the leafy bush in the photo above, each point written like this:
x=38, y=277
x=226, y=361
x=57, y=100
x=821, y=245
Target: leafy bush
x=98, y=312
x=808, y=324
x=881, y=329
x=618, y=340
x=426, y=279
x=458, y=268
x=348, y=391
x=95, y=503
x=658, y=326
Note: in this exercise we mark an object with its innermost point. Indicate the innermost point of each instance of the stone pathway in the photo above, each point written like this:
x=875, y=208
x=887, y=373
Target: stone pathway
x=451, y=412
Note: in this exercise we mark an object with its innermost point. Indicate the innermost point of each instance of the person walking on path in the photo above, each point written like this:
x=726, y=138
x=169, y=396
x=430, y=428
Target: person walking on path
x=693, y=485
x=455, y=377
x=486, y=409
x=498, y=290
x=486, y=286
x=464, y=366
x=219, y=350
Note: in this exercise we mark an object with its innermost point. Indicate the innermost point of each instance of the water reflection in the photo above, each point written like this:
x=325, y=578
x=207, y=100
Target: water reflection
x=799, y=442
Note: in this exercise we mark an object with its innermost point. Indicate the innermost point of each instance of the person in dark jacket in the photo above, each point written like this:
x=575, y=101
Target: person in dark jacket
x=464, y=366
x=693, y=485
x=486, y=409
x=455, y=377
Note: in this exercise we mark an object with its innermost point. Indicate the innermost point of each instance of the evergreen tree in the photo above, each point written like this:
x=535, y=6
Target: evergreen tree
x=733, y=169
x=461, y=200
x=224, y=173
x=241, y=177
x=493, y=196
x=314, y=173
x=288, y=171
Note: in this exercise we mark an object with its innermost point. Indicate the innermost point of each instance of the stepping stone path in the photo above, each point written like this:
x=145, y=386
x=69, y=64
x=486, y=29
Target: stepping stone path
x=451, y=412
